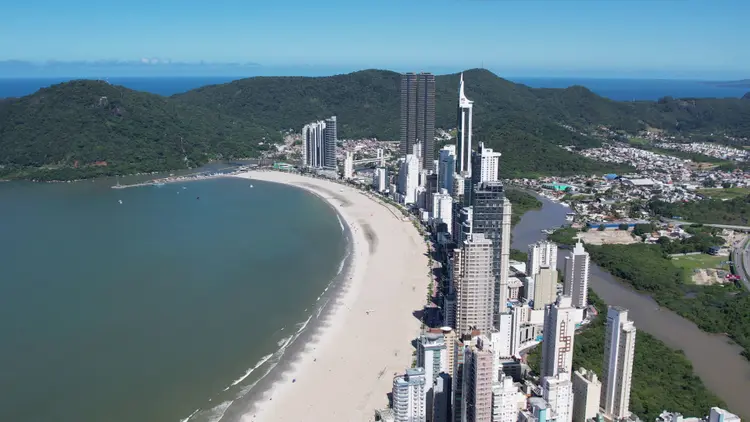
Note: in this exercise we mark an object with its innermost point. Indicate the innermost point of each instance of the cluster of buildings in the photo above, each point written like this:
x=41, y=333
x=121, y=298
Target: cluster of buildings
x=710, y=149
x=470, y=366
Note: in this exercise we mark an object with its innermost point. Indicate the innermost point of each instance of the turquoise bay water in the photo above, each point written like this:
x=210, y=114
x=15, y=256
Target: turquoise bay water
x=148, y=310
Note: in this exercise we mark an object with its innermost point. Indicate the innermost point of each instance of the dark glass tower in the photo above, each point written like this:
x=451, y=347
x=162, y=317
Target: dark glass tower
x=330, y=137
x=418, y=116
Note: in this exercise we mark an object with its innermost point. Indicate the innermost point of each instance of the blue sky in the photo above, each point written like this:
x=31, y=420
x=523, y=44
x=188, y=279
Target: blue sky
x=659, y=38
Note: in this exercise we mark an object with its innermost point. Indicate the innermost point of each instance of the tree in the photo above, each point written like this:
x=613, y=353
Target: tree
x=601, y=228
x=623, y=227
x=726, y=185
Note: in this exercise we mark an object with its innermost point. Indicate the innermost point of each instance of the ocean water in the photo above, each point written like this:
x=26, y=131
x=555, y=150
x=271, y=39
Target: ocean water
x=616, y=89
x=170, y=304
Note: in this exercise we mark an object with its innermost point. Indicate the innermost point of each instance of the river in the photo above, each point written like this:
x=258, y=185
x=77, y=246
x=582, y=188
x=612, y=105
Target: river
x=715, y=359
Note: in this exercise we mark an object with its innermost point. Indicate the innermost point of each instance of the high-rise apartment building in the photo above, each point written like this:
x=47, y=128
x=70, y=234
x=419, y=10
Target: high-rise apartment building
x=330, y=135
x=558, y=392
x=446, y=167
x=349, y=165
x=505, y=396
x=542, y=254
x=557, y=344
x=442, y=209
x=619, y=350
x=587, y=390
x=418, y=116
x=485, y=165
x=477, y=378
x=463, y=135
x=409, y=398
x=380, y=179
x=474, y=284
x=545, y=288
x=491, y=214
x=718, y=414
x=313, y=144
x=408, y=177
x=432, y=355
x=576, y=279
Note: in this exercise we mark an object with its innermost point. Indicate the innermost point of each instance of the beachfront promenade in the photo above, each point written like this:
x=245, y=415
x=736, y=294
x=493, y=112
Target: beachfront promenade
x=347, y=370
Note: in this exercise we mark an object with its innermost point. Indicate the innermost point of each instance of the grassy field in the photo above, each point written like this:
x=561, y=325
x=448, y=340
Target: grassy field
x=725, y=193
x=638, y=141
x=693, y=262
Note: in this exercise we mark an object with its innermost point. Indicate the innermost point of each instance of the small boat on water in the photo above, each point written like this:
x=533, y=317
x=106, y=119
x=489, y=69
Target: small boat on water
x=120, y=201
x=547, y=231
x=251, y=185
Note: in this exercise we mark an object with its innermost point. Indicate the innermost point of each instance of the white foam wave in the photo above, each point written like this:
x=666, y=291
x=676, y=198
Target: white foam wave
x=320, y=310
x=284, y=341
x=191, y=415
x=304, y=325
x=217, y=412
x=262, y=360
x=340, y=223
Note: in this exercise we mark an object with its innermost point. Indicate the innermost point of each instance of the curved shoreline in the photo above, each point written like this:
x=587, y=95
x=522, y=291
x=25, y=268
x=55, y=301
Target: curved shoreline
x=344, y=369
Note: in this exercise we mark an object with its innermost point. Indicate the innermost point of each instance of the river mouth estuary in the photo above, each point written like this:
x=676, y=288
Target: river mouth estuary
x=715, y=359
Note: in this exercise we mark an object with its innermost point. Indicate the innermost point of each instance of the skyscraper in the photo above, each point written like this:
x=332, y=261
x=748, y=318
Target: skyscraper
x=408, y=177
x=619, y=351
x=545, y=288
x=491, y=217
x=474, y=284
x=558, y=391
x=409, y=396
x=330, y=137
x=505, y=401
x=576, y=281
x=542, y=254
x=557, y=344
x=485, y=164
x=463, y=127
x=446, y=167
x=313, y=140
x=418, y=116
x=477, y=377
x=587, y=390
x=432, y=355
x=442, y=209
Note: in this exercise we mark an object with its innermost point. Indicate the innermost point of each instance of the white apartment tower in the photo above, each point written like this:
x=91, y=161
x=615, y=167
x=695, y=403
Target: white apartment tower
x=619, y=350
x=542, y=254
x=432, y=355
x=485, y=164
x=349, y=165
x=313, y=140
x=463, y=135
x=409, y=404
x=545, y=288
x=446, y=168
x=442, y=208
x=408, y=176
x=474, y=284
x=380, y=179
x=587, y=390
x=558, y=392
x=576, y=279
x=557, y=345
x=718, y=414
x=505, y=401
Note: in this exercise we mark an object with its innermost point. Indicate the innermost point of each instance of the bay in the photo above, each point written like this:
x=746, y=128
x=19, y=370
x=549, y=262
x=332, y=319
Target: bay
x=151, y=309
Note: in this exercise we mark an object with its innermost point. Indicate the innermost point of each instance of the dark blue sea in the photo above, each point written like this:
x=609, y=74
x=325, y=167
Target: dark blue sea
x=616, y=89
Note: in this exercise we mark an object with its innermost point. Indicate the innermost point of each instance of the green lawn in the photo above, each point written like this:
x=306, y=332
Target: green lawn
x=693, y=262
x=638, y=141
x=729, y=193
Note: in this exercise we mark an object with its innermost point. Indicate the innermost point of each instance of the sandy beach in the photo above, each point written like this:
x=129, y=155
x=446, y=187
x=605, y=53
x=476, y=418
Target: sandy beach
x=346, y=371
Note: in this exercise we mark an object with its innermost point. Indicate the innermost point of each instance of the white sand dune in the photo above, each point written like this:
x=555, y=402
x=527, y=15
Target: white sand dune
x=345, y=373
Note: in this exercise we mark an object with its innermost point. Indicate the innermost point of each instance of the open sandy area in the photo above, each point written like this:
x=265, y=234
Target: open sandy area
x=346, y=372
x=608, y=237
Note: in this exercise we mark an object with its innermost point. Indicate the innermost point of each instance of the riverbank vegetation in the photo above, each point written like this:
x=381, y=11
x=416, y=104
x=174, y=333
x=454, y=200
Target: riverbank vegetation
x=663, y=378
x=710, y=211
x=716, y=308
x=522, y=202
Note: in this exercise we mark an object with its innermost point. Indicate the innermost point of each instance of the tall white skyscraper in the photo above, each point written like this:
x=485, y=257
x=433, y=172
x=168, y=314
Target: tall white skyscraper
x=545, y=288
x=557, y=345
x=718, y=414
x=619, y=351
x=409, y=398
x=558, y=391
x=313, y=140
x=463, y=135
x=446, y=167
x=408, y=176
x=587, y=390
x=442, y=208
x=432, y=355
x=349, y=165
x=485, y=164
x=474, y=284
x=505, y=397
x=576, y=279
x=380, y=179
x=542, y=254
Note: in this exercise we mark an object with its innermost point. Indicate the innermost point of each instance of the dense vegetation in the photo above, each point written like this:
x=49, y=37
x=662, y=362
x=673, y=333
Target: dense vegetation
x=710, y=211
x=88, y=128
x=663, y=378
x=716, y=309
x=522, y=202
x=85, y=122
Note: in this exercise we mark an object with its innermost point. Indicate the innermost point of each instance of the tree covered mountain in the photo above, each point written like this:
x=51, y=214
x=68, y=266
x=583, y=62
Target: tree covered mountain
x=71, y=128
x=88, y=128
